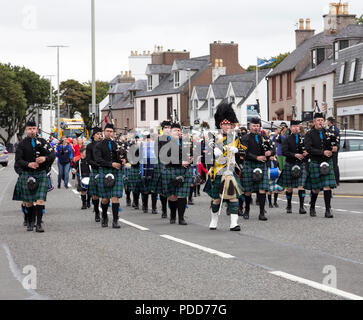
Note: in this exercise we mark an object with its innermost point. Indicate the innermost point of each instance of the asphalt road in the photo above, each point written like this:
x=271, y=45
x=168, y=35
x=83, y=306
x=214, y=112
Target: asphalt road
x=287, y=257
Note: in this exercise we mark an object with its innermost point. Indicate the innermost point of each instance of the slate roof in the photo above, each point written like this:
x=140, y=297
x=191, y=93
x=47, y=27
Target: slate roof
x=166, y=85
x=244, y=76
x=326, y=41
x=220, y=90
x=204, y=106
x=186, y=64
x=326, y=67
x=351, y=31
x=139, y=85
x=202, y=92
x=120, y=87
x=290, y=62
x=243, y=88
x=158, y=69
x=349, y=88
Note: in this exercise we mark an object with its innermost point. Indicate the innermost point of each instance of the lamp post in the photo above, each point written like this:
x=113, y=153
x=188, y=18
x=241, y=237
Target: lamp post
x=58, y=94
x=189, y=89
x=93, y=62
x=51, y=98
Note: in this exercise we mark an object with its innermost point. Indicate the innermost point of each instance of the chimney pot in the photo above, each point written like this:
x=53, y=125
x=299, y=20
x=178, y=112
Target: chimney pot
x=345, y=6
x=301, y=24
x=307, y=24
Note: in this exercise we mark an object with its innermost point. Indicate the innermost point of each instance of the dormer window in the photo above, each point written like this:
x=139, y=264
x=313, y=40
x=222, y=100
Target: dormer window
x=176, y=79
x=318, y=56
x=313, y=63
x=149, y=83
x=352, y=71
x=336, y=51
x=343, y=44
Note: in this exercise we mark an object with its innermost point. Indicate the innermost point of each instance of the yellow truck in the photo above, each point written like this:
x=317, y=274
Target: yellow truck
x=72, y=128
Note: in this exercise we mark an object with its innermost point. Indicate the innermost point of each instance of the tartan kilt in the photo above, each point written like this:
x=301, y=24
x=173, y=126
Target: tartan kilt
x=134, y=182
x=92, y=187
x=21, y=192
x=287, y=181
x=212, y=187
x=169, y=174
x=157, y=180
x=246, y=178
x=315, y=181
x=108, y=193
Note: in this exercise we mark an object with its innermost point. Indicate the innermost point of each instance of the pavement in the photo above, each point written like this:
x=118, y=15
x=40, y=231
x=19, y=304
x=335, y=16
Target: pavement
x=288, y=257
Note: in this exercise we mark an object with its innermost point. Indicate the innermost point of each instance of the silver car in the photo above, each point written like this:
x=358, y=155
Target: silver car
x=4, y=157
x=351, y=158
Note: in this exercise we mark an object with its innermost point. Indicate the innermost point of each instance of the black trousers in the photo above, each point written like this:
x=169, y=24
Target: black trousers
x=336, y=167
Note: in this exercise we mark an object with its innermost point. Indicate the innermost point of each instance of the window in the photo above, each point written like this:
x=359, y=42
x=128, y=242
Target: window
x=128, y=123
x=336, y=51
x=313, y=62
x=156, y=109
x=170, y=108
x=302, y=99
x=211, y=106
x=352, y=71
x=324, y=92
x=143, y=110
x=313, y=97
x=351, y=122
x=149, y=82
x=176, y=79
x=343, y=44
x=320, y=55
x=355, y=145
x=281, y=87
x=288, y=80
x=195, y=109
x=274, y=89
x=341, y=76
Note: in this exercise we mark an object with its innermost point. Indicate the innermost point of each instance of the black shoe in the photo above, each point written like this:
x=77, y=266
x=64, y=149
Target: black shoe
x=302, y=210
x=133, y=205
x=288, y=209
x=30, y=226
x=97, y=217
x=312, y=212
x=116, y=225
x=172, y=221
x=137, y=207
x=246, y=215
x=198, y=194
x=128, y=203
x=270, y=206
x=262, y=217
x=228, y=213
x=191, y=202
x=88, y=204
x=84, y=206
x=164, y=215
x=66, y=187
x=105, y=223
x=144, y=209
x=183, y=223
x=39, y=228
x=154, y=211
x=236, y=228
x=276, y=205
x=240, y=212
x=59, y=186
x=328, y=213
x=25, y=220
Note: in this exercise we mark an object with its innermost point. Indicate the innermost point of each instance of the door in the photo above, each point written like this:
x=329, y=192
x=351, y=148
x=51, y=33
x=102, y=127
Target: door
x=354, y=162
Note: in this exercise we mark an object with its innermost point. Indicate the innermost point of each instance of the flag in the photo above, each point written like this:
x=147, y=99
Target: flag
x=106, y=121
x=263, y=63
x=324, y=107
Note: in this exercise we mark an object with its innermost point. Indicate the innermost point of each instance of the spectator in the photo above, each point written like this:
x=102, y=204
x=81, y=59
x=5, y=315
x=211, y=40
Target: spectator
x=64, y=155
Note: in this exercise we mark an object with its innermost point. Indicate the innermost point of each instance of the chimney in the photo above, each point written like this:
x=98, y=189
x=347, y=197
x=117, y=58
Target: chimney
x=225, y=55
x=302, y=34
x=338, y=18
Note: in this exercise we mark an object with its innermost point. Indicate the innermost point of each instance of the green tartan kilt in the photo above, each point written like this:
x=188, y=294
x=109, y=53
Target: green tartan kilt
x=108, y=193
x=315, y=181
x=157, y=181
x=134, y=183
x=21, y=192
x=212, y=187
x=287, y=181
x=169, y=174
x=246, y=179
x=92, y=187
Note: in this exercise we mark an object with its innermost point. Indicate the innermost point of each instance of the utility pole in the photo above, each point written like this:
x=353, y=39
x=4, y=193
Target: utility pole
x=58, y=93
x=51, y=98
x=95, y=119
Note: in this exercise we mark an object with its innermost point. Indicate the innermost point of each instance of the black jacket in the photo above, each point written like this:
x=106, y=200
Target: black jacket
x=254, y=149
x=289, y=148
x=26, y=153
x=82, y=167
x=176, y=149
x=104, y=156
x=90, y=155
x=315, y=146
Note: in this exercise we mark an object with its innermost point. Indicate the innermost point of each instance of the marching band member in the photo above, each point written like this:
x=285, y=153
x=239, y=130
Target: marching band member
x=177, y=175
x=223, y=184
x=33, y=156
x=294, y=173
x=321, y=146
x=254, y=174
x=90, y=156
x=109, y=181
x=82, y=170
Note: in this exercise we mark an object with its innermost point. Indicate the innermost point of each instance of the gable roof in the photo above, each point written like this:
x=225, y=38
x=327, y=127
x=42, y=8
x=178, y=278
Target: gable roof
x=138, y=85
x=202, y=92
x=244, y=76
x=243, y=88
x=120, y=87
x=219, y=90
x=351, y=31
x=326, y=67
x=158, y=69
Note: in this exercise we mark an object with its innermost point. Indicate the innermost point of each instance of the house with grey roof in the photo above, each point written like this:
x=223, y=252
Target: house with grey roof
x=348, y=87
x=171, y=78
x=315, y=85
x=239, y=89
x=311, y=59
x=120, y=106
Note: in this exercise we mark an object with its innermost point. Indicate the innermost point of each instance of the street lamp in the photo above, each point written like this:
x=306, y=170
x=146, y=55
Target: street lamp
x=93, y=61
x=58, y=94
x=51, y=98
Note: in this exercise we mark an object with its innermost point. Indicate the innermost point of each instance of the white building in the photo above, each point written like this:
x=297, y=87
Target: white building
x=138, y=63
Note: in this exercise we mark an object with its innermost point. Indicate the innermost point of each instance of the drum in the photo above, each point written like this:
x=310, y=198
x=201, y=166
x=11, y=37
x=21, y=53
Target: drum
x=273, y=173
x=85, y=182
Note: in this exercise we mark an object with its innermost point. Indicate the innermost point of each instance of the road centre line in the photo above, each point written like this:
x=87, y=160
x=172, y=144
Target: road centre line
x=316, y=285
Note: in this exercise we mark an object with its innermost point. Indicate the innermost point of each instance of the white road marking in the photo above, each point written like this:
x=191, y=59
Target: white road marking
x=19, y=276
x=133, y=225
x=317, y=285
x=355, y=212
x=197, y=246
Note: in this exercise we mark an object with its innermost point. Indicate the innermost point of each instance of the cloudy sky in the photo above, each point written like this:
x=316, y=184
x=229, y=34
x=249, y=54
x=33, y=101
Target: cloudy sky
x=262, y=28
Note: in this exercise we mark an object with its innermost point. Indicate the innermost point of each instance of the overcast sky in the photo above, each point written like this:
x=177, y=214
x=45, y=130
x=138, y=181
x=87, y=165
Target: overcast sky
x=262, y=28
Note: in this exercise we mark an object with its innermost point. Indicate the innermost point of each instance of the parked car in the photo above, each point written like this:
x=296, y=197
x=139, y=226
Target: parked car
x=351, y=158
x=351, y=133
x=4, y=157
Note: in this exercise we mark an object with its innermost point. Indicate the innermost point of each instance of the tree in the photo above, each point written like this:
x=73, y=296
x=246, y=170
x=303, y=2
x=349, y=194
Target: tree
x=12, y=103
x=278, y=59
x=359, y=20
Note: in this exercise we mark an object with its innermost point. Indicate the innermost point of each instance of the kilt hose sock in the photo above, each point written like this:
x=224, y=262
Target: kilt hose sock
x=302, y=196
x=154, y=199
x=96, y=205
x=314, y=196
x=276, y=195
x=173, y=207
x=327, y=198
x=181, y=203
x=164, y=203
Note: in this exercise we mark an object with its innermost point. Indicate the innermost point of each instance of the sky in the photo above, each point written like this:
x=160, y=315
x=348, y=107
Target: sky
x=261, y=28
